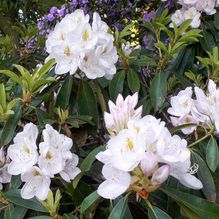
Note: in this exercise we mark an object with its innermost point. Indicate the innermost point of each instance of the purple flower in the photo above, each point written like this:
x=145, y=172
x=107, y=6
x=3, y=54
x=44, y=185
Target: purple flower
x=50, y=17
x=84, y=1
x=40, y=25
x=74, y=2
x=148, y=16
x=53, y=10
x=145, y=41
x=169, y=4
x=62, y=12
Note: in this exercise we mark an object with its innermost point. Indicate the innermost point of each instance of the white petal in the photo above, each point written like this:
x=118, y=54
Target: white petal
x=190, y=181
x=110, y=190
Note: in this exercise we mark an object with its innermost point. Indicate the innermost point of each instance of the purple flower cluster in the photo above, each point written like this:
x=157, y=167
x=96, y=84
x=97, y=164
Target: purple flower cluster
x=46, y=24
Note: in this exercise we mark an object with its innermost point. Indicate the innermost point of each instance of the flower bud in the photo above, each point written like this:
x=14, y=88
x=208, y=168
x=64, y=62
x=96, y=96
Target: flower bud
x=148, y=163
x=160, y=175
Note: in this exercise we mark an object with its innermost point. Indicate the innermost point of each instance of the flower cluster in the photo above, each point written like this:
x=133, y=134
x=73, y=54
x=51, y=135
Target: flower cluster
x=37, y=168
x=141, y=152
x=192, y=9
x=81, y=48
x=202, y=111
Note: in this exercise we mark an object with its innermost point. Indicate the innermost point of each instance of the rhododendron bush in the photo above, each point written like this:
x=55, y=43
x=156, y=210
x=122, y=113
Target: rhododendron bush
x=109, y=109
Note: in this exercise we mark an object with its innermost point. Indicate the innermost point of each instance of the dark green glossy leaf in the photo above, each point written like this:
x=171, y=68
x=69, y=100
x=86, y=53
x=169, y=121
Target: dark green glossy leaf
x=116, y=85
x=10, y=126
x=40, y=217
x=119, y=210
x=201, y=207
x=90, y=158
x=15, y=197
x=158, y=90
x=89, y=201
x=212, y=154
x=15, y=182
x=18, y=213
x=69, y=216
x=157, y=213
x=133, y=81
x=86, y=101
x=65, y=93
x=205, y=176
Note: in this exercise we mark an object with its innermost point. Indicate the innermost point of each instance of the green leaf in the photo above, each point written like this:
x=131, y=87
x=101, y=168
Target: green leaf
x=157, y=213
x=9, y=128
x=86, y=101
x=65, y=93
x=2, y=96
x=41, y=217
x=12, y=75
x=116, y=85
x=46, y=67
x=69, y=216
x=119, y=210
x=89, y=201
x=187, y=213
x=133, y=81
x=202, y=207
x=206, y=178
x=15, y=197
x=212, y=154
x=158, y=90
x=90, y=158
x=18, y=212
x=15, y=182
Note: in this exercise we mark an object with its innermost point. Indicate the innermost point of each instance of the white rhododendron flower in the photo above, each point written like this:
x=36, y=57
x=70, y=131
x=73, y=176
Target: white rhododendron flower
x=36, y=184
x=121, y=112
x=23, y=153
x=54, y=139
x=192, y=9
x=70, y=170
x=144, y=147
x=36, y=169
x=116, y=183
x=203, y=110
x=76, y=44
x=128, y=49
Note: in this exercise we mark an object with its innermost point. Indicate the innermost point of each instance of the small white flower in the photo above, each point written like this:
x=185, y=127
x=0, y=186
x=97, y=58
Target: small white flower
x=193, y=14
x=182, y=103
x=51, y=160
x=177, y=18
x=53, y=138
x=116, y=183
x=172, y=149
x=36, y=184
x=23, y=153
x=125, y=151
x=70, y=170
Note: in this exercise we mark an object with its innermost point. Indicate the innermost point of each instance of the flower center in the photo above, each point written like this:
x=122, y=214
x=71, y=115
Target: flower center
x=130, y=144
x=85, y=35
x=49, y=155
x=67, y=51
x=26, y=149
x=36, y=173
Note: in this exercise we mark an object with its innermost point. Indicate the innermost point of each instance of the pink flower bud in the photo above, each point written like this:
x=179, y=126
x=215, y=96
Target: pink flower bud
x=148, y=163
x=160, y=175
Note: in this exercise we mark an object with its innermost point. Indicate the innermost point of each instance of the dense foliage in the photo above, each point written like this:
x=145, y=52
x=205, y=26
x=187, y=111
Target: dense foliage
x=109, y=109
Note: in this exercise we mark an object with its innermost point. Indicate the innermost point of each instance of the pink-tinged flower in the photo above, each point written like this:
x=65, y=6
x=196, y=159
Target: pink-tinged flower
x=121, y=113
x=149, y=163
x=160, y=175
